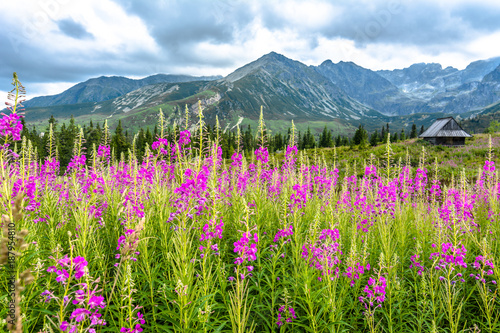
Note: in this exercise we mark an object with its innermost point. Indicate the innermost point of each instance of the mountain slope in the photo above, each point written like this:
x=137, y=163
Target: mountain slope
x=287, y=89
x=477, y=70
x=342, y=95
x=479, y=121
x=421, y=80
x=367, y=86
x=435, y=89
x=105, y=88
x=469, y=96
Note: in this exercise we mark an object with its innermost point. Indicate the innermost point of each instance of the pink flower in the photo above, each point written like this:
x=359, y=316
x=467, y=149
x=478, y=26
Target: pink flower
x=64, y=326
x=10, y=125
x=262, y=155
x=184, y=138
x=62, y=275
x=140, y=317
x=96, y=301
x=79, y=264
x=79, y=314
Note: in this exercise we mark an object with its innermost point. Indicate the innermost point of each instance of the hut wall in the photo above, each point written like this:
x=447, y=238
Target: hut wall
x=447, y=141
x=431, y=140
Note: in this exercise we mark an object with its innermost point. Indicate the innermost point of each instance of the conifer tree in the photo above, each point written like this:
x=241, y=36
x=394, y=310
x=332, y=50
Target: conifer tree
x=360, y=136
x=374, y=139
x=149, y=137
x=119, y=142
x=325, y=138
x=413, y=133
x=402, y=135
x=300, y=143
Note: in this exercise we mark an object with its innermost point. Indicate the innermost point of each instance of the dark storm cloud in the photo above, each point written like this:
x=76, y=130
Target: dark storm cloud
x=73, y=29
x=479, y=17
x=35, y=65
x=177, y=26
x=423, y=24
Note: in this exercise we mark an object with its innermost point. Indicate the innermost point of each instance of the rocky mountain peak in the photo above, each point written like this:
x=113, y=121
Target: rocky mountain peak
x=271, y=63
x=493, y=76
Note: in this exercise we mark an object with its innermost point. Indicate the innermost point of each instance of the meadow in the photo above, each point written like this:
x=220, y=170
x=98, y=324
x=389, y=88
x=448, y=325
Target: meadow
x=186, y=241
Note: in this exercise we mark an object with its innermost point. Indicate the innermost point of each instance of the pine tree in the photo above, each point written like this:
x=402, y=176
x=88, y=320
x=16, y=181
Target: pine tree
x=140, y=144
x=66, y=142
x=92, y=136
x=52, y=121
x=72, y=129
x=309, y=141
x=155, y=133
x=356, y=139
x=119, y=142
x=288, y=136
x=149, y=137
x=278, y=141
x=248, y=140
x=339, y=141
x=374, y=139
x=360, y=136
x=413, y=133
x=326, y=138
x=25, y=131
x=323, y=140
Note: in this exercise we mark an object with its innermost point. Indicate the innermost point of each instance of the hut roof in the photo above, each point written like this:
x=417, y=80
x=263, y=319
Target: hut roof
x=445, y=127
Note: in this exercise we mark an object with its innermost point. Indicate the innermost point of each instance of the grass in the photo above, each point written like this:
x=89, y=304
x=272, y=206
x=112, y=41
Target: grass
x=304, y=243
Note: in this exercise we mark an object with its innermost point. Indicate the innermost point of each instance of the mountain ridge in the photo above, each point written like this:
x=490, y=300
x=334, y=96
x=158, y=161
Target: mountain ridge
x=105, y=88
x=343, y=94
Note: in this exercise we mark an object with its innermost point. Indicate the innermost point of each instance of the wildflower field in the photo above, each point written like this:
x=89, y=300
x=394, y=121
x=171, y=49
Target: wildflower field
x=186, y=241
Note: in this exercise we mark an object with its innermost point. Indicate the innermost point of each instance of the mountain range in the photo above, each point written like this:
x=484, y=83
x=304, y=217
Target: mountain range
x=340, y=95
x=104, y=88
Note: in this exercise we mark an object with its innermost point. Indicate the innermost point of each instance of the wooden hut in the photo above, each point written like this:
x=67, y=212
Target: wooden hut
x=445, y=131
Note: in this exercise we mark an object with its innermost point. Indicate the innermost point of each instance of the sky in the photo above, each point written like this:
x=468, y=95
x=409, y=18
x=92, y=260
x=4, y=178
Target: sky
x=54, y=44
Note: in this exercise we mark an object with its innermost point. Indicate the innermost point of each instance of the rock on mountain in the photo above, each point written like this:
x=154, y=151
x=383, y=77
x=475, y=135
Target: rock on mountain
x=479, y=121
x=493, y=76
x=105, y=88
x=452, y=91
x=469, y=96
x=367, y=87
x=421, y=81
x=477, y=70
x=343, y=94
x=287, y=90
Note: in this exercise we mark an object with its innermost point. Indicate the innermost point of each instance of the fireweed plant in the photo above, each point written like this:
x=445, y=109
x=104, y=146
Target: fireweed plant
x=186, y=241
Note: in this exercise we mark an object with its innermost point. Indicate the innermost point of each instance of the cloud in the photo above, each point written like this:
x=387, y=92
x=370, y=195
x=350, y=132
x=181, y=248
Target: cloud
x=422, y=23
x=179, y=26
x=480, y=17
x=60, y=41
x=33, y=45
x=73, y=29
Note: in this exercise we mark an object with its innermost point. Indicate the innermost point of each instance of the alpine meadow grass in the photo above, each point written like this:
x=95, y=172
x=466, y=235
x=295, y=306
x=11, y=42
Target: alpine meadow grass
x=186, y=241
